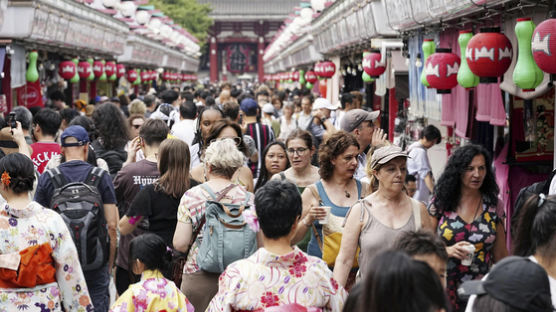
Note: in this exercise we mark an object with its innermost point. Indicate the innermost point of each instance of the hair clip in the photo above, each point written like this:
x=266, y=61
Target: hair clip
x=6, y=179
x=542, y=199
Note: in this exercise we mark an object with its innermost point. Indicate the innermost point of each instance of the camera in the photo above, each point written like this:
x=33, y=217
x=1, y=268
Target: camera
x=11, y=120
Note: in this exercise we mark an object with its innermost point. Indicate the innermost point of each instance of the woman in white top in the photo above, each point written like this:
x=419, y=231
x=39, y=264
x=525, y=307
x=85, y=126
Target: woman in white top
x=287, y=122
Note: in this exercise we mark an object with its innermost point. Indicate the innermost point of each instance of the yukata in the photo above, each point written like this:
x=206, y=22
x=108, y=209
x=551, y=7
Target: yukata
x=39, y=265
x=152, y=293
x=265, y=280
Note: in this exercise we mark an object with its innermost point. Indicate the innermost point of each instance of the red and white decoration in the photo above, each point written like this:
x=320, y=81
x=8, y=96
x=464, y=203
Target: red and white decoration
x=120, y=70
x=373, y=64
x=67, y=69
x=544, y=46
x=84, y=69
x=145, y=76
x=441, y=70
x=489, y=54
x=325, y=69
x=98, y=68
x=110, y=68
x=132, y=75
x=311, y=77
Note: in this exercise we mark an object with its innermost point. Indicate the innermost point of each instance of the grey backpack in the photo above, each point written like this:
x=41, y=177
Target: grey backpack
x=226, y=236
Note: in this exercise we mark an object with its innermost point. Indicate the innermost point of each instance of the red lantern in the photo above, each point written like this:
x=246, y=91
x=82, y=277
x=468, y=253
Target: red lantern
x=295, y=76
x=144, y=76
x=120, y=70
x=544, y=45
x=110, y=68
x=373, y=64
x=489, y=54
x=131, y=75
x=84, y=69
x=67, y=69
x=98, y=69
x=325, y=69
x=441, y=70
x=166, y=75
x=154, y=75
x=310, y=77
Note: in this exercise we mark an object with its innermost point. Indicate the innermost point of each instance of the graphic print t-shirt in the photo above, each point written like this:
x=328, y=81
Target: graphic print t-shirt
x=42, y=153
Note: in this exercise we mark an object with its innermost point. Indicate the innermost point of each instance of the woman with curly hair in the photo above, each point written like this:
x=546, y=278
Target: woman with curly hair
x=466, y=212
x=113, y=134
x=336, y=188
x=375, y=223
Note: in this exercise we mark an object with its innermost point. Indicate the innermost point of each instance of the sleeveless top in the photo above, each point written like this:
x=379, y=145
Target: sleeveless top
x=299, y=188
x=376, y=237
x=313, y=247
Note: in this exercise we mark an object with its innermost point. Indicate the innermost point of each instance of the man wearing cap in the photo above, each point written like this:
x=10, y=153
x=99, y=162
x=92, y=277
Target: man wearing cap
x=75, y=145
x=261, y=134
x=513, y=284
x=321, y=123
x=418, y=164
x=360, y=123
x=269, y=119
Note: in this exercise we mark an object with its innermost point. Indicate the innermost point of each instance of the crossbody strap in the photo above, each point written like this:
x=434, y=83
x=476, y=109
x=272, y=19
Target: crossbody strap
x=215, y=197
x=416, y=213
x=315, y=193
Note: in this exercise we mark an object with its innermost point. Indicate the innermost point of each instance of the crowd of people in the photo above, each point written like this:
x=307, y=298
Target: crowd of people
x=225, y=198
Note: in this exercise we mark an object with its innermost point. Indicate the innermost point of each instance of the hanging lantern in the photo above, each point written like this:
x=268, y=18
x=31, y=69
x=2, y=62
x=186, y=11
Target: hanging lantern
x=310, y=77
x=84, y=69
x=120, y=70
x=429, y=47
x=66, y=69
x=295, y=76
x=442, y=70
x=32, y=73
x=466, y=78
x=366, y=78
x=75, y=78
x=489, y=54
x=166, y=75
x=144, y=76
x=373, y=64
x=91, y=74
x=132, y=75
x=527, y=75
x=317, y=5
x=309, y=85
x=138, y=80
x=110, y=68
x=544, y=46
x=325, y=69
x=301, y=74
x=98, y=68
x=322, y=88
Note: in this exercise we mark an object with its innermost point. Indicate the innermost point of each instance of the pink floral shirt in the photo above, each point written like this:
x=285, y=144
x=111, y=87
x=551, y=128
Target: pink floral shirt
x=264, y=280
x=192, y=208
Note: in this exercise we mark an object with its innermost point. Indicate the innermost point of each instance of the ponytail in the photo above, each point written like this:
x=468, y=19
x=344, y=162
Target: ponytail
x=536, y=228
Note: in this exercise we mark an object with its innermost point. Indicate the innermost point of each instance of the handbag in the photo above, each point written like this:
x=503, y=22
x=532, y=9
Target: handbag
x=329, y=243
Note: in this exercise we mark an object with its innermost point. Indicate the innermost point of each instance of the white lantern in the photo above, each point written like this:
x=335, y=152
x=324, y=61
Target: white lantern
x=154, y=25
x=128, y=8
x=306, y=15
x=142, y=17
x=165, y=31
x=317, y=5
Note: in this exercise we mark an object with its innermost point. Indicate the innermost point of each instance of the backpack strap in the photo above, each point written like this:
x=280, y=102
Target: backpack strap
x=57, y=178
x=94, y=176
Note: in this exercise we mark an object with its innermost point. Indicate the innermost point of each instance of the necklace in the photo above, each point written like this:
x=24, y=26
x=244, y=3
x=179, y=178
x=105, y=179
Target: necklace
x=348, y=195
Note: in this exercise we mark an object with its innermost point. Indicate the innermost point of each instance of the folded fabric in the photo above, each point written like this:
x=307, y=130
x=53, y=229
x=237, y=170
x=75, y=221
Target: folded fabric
x=36, y=267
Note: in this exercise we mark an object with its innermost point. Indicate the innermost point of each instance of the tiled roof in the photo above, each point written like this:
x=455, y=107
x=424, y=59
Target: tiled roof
x=251, y=7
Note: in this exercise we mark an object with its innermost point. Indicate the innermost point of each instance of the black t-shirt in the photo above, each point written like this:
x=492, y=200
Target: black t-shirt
x=159, y=208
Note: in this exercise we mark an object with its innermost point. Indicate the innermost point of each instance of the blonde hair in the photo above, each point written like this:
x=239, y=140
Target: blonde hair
x=223, y=157
x=137, y=107
x=373, y=181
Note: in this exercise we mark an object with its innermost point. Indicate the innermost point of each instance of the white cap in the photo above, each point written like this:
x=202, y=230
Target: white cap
x=323, y=103
x=268, y=108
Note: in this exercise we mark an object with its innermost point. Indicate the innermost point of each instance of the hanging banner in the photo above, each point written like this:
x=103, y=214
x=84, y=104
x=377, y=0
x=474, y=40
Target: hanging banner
x=30, y=95
x=241, y=58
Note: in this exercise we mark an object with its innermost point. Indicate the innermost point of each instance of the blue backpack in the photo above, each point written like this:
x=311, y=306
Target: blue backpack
x=226, y=236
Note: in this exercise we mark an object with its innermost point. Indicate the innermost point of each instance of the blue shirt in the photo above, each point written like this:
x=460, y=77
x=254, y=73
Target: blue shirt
x=74, y=171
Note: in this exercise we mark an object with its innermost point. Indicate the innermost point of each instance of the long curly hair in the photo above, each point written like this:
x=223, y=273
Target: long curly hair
x=333, y=147
x=447, y=191
x=111, y=125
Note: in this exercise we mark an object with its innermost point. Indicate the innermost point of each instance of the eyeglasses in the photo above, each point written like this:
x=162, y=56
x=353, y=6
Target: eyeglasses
x=136, y=126
x=299, y=151
x=237, y=140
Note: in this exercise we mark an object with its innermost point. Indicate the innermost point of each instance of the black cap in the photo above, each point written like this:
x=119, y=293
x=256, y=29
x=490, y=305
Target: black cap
x=515, y=281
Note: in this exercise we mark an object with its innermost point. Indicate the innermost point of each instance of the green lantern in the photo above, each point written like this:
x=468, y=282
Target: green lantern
x=302, y=80
x=466, y=78
x=32, y=74
x=309, y=86
x=75, y=78
x=92, y=75
x=429, y=47
x=103, y=76
x=138, y=80
x=527, y=74
x=366, y=78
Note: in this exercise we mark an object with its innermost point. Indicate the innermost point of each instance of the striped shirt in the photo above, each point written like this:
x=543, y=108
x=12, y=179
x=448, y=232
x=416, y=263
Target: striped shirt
x=262, y=135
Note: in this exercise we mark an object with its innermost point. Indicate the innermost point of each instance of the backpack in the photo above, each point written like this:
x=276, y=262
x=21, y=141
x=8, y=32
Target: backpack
x=114, y=158
x=226, y=235
x=80, y=206
x=524, y=194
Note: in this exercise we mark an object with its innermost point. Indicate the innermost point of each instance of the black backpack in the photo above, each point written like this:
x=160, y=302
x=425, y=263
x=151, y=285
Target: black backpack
x=80, y=205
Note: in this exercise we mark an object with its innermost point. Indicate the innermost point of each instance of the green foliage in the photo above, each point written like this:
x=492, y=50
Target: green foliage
x=187, y=13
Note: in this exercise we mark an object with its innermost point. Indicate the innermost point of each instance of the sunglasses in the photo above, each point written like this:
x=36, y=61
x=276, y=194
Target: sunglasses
x=237, y=140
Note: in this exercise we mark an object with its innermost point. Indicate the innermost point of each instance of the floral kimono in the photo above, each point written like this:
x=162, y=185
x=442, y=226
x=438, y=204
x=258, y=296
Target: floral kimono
x=265, y=280
x=39, y=265
x=152, y=293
